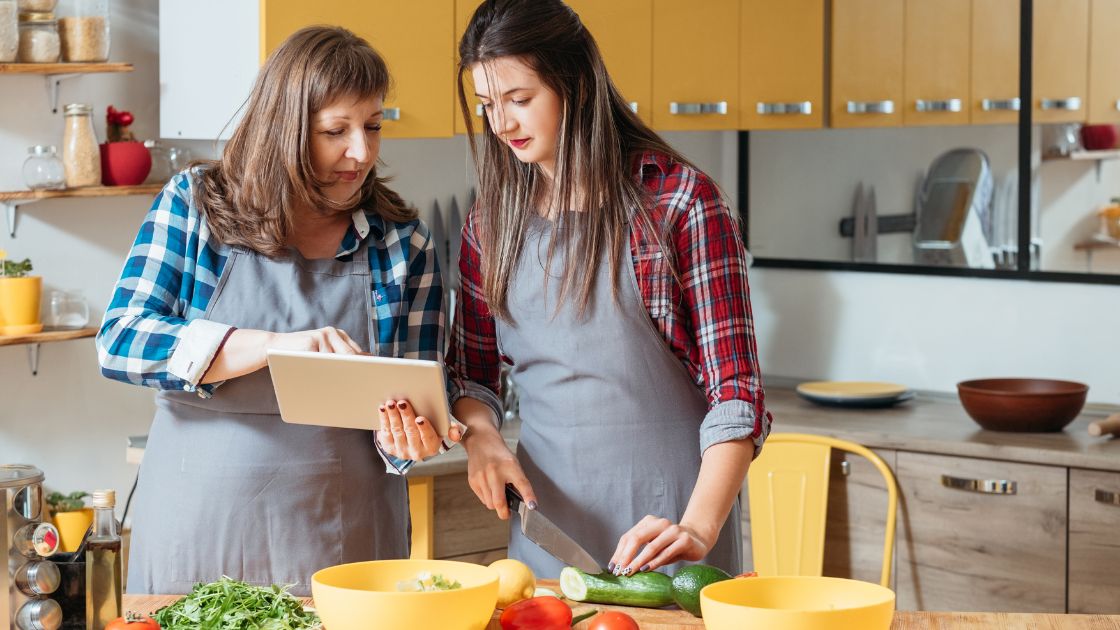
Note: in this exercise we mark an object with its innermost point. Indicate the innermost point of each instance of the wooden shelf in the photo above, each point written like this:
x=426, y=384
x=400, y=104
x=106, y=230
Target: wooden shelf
x=48, y=335
x=93, y=191
x=1110, y=154
x=1097, y=242
x=63, y=68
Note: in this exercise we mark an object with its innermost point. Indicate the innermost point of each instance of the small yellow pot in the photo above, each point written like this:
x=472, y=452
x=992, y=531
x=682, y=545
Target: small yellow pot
x=19, y=305
x=72, y=527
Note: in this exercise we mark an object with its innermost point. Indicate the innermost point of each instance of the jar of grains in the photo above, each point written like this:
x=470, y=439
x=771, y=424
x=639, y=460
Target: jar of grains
x=85, y=31
x=38, y=38
x=37, y=6
x=81, y=157
x=9, y=31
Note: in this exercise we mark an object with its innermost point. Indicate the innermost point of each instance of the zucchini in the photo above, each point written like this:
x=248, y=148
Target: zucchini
x=647, y=590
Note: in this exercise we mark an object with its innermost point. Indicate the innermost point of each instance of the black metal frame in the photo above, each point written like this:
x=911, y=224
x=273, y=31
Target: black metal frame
x=1022, y=270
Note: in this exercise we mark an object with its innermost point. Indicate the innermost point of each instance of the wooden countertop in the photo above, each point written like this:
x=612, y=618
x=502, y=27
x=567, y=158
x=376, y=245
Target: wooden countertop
x=681, y=620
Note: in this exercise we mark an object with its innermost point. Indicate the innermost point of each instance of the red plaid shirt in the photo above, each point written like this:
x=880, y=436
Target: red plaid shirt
x=706, y=319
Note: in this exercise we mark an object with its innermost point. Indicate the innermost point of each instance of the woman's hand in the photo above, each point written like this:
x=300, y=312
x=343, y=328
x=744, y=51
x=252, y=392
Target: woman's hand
x=490, y=466
x=405, y=435
x=326, y=339
x=655, y=542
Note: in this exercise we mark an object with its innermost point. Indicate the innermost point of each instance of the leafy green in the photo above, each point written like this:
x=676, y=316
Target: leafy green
x=15, y=268
x=426, y=581
x=229, y=604
x=72, y=502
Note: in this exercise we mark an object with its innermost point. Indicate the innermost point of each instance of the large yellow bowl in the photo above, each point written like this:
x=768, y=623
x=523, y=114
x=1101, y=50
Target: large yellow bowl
x=364, y=596
x=796, y=603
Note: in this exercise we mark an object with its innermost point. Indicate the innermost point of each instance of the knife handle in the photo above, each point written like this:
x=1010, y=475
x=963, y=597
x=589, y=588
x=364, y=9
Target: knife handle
x=513, y=497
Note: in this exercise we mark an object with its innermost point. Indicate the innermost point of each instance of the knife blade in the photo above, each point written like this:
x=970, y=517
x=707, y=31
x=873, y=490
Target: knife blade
x=546, y=535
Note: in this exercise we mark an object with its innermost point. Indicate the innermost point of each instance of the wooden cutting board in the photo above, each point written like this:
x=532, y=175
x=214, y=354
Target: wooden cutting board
x=681, y=620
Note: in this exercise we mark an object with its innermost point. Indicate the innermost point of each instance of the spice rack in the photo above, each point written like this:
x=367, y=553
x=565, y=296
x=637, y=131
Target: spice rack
x=48, y=335
x=56, y=73
x=11, y=201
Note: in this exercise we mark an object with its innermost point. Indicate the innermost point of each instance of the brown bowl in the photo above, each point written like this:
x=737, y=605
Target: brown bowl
x=1022, y=404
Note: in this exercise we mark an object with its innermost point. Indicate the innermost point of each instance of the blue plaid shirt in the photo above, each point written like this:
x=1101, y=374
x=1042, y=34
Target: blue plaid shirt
x=153, y=333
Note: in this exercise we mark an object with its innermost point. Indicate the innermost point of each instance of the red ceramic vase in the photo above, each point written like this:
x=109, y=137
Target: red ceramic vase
x=124, y=163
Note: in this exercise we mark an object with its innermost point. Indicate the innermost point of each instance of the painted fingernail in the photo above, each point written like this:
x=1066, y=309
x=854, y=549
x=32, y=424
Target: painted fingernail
x=610, y=567
x=390, y=405
x=532, y=505
x=402, y=405
x=645, y=567
x=626, y=571
x=381, y=408
x=419, y=421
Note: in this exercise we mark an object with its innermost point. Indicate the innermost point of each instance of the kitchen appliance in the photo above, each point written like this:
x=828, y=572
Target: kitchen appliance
x=954, y=212
x=549, y=537
x=30, y=579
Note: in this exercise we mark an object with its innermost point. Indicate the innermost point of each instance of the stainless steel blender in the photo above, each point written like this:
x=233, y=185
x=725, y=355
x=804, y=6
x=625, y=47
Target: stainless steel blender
x=30, y=578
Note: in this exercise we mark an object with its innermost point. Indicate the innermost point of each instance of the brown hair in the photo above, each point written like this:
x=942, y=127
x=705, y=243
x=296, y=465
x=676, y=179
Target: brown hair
x=599, y=139
x=265, y=171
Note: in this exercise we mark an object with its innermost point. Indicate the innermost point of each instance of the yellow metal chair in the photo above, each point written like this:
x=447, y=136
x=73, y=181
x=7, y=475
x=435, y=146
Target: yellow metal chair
x=788, y=492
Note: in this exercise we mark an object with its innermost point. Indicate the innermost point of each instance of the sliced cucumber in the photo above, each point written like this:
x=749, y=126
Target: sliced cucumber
x=648, y=590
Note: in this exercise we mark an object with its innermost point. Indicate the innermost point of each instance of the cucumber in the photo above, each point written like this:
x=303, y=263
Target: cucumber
x=647, y=590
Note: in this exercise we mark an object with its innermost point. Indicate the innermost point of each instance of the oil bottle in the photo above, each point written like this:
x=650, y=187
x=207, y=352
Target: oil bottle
x=103, y=564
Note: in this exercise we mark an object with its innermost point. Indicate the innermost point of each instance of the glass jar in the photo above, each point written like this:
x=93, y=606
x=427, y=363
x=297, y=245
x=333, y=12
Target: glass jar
x=69, y=309
x=9, y=31
x=42, y=170
x=81, y=157
x=37, y=6
x=85, y=31
x=38, y=38
x=161, y=163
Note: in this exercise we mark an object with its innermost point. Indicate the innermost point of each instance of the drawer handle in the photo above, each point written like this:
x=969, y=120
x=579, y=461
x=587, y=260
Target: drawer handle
x=1000, y=104
x=689, y=109
x=1108, y=498
x=983, y=486
x=870, y=107
x=391, y=113
x=771, y=109
x=634, y=106
x=846, y=468
x=944, y=105
x=479, y=110
x=1070, y=104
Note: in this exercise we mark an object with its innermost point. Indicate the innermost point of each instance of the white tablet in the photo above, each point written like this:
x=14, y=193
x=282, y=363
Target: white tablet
x=344, y=390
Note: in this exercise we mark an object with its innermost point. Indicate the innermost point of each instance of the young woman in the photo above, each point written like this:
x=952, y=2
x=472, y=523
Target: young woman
x=290, y=241
x=610, y=274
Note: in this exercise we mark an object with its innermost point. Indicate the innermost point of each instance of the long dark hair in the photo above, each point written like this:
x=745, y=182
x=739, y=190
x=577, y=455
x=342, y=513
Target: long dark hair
x=265, y=171
x=599, y=140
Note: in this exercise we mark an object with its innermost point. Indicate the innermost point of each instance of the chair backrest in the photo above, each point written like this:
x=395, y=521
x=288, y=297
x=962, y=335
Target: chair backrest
x=788, y=492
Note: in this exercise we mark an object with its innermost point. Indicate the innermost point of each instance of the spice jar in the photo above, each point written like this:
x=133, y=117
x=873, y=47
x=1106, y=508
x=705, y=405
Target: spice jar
x=81, y=157
x=37, y=6
x=42, y=170
x=85, y=31
x=38, y=38
x=9, y=31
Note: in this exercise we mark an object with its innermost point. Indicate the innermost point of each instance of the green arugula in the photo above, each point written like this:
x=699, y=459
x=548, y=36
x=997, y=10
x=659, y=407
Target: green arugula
x=229, y=604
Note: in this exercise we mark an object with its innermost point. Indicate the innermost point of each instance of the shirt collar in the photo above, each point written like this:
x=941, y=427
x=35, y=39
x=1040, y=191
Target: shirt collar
x=358, y=231
x=655, y=159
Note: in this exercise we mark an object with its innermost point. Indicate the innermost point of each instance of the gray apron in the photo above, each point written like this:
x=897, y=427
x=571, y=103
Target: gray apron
x=228, y=488
x=610, y=417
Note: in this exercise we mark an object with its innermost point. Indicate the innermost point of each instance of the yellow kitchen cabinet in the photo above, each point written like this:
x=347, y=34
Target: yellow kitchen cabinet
x=781, y=64
x=623, y=29
x=464, y=9
x=995, y=62
x=1061, y=56
x=1104, y=62
x=695, y=65
x=414, y=37
x=936, y=72
x=867, y=63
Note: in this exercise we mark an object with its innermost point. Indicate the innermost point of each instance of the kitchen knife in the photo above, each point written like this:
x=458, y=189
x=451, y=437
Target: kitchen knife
x=549, y=537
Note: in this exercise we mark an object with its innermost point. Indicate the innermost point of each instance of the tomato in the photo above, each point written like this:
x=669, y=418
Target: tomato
x=748, y=574
x=132, y=621
x=537, y=613
x=612, y=620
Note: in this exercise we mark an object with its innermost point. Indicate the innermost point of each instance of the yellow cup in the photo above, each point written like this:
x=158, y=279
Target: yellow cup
x=19, y=305
x=72, y=527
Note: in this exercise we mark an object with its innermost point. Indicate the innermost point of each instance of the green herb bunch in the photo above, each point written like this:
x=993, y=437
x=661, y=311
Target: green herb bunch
x=72, y=502
x=229, y=604
x=14, y=268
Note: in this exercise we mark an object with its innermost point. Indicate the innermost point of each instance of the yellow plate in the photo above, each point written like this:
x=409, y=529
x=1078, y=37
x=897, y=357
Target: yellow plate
x=851, y=389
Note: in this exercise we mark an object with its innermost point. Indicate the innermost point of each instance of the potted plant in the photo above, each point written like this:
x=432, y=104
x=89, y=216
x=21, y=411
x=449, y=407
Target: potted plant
x=124, y=161
x=19, y=297
x=71, y=516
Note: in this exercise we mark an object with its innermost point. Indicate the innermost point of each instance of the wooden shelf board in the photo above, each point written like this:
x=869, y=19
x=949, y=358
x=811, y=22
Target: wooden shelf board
x=93, y=191
x=63, y=68
x=1097, y=242
x=1110, y=154
x=47, y=336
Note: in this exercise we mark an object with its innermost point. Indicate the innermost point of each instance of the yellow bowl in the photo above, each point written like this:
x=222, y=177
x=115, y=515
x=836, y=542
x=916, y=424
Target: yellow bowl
x=796, y=603
x=364, y=595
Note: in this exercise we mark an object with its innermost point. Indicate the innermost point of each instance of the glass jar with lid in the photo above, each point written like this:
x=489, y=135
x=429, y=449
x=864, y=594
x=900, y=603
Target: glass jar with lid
x=38, y=38
x=42, y=170
x=9, y=31
x=84, y=28
x=81, y=157
x=37, y=6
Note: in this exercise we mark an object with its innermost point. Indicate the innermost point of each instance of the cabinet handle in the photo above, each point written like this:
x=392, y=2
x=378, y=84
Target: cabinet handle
x=634, y=106
x=870, y=107
x=1108, y=498
x=479, y=110
x=769, y=109
x=1118, y=105
x=944, y=105
x=983, y=486
x=1070, y=104
x=678, y=109
x=391, y=113
x=846, y=468
x=1001, y=104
